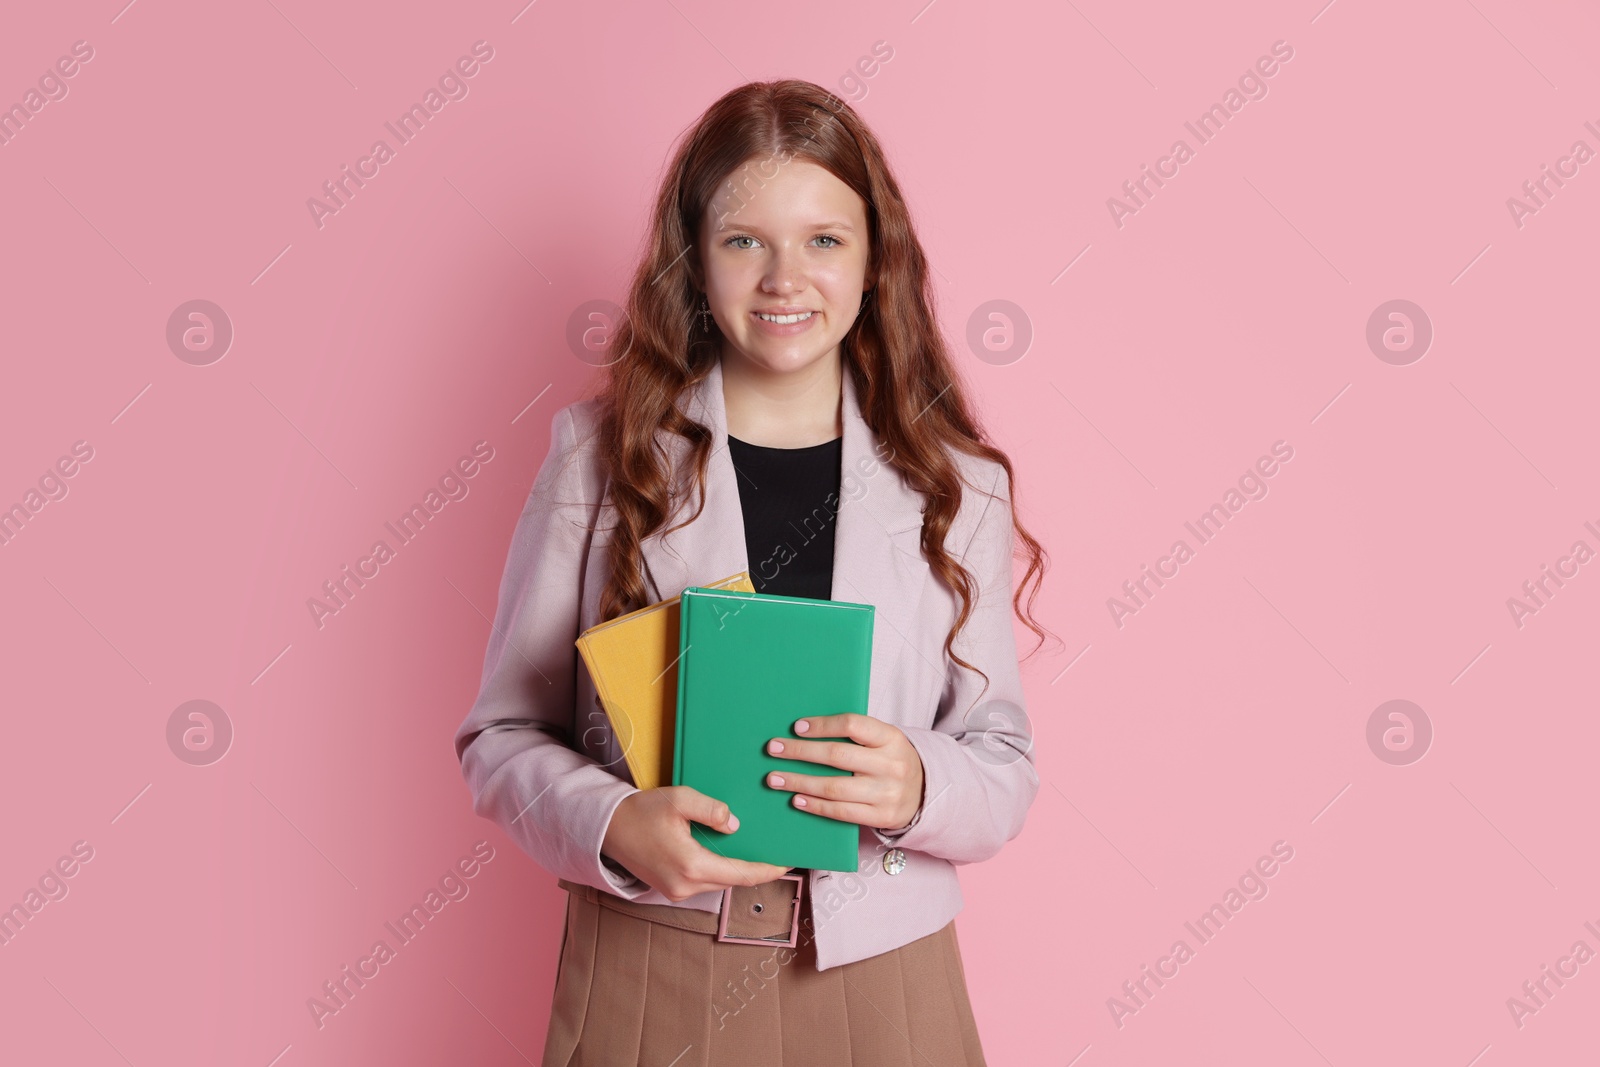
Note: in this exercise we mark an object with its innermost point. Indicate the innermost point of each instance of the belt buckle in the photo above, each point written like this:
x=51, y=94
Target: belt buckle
x=793, y=938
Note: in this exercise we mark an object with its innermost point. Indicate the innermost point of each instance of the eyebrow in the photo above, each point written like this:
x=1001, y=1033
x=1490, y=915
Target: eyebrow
x=831, y=225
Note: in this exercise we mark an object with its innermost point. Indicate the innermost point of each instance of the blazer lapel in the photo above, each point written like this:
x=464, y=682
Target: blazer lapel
x=712, y=546
x=877, y=558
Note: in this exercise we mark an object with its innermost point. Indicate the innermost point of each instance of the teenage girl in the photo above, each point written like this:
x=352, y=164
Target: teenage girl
x=781, y=402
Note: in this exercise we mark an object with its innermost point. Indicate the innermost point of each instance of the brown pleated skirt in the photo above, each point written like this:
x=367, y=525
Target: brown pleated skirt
x=631, y=990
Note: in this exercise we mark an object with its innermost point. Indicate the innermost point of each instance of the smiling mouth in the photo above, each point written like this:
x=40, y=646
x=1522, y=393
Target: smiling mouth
x=785, y=320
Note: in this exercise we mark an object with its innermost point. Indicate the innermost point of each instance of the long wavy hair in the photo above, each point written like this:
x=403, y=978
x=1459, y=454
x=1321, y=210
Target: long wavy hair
x=910, y=395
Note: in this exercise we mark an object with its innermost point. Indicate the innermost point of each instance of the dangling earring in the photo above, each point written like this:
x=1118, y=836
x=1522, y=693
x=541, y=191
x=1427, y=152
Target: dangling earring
x=705, y=314
x=864, y=298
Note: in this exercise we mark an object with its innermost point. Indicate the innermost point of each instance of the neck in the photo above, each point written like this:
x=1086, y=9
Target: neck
x=792, y=409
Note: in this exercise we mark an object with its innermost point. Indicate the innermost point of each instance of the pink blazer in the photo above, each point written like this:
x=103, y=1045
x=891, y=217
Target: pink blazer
x=540, y=759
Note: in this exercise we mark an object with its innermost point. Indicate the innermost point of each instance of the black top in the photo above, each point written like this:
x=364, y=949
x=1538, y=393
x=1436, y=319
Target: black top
x=790, y=499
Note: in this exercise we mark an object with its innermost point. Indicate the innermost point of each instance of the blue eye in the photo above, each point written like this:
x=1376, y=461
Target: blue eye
x=746, y=237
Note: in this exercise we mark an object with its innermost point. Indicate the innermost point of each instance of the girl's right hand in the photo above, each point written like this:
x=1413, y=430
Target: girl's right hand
x=649, y=835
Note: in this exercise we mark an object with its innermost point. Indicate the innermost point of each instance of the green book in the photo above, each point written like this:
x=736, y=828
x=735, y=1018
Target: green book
x=749, y=665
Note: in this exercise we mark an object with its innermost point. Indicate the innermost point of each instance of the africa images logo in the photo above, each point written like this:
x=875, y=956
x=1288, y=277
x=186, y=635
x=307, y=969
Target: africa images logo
x=452, y=86
x=1252, y=85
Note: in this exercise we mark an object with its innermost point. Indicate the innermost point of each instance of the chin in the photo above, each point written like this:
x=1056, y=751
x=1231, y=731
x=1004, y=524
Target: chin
x=783, y=362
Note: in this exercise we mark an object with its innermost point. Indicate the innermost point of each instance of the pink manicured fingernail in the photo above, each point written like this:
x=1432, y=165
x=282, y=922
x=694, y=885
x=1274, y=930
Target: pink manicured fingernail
x=775, y=746
x=776, y=781
x=801, y=727
x=733, y=822
x=799, y=802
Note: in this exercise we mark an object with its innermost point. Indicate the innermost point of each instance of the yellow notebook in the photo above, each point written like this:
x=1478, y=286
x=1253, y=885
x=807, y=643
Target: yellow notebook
x=633, y=660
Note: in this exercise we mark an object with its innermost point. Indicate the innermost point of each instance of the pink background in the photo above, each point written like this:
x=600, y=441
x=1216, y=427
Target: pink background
x=431, y=312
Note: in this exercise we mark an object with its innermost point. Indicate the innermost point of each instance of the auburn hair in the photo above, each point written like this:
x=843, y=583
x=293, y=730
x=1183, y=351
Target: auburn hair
x=895, y=353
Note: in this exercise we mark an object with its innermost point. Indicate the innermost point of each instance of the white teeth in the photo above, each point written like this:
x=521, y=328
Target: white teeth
x=784, y=320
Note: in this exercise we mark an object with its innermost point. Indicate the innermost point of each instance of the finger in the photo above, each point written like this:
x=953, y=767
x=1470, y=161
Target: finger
x=741, y=872
x=697, y=807
x=844, y=811
x=863, y=729
x=716, y=871
x=848, y=788
x=840, y=754
x=706, y=857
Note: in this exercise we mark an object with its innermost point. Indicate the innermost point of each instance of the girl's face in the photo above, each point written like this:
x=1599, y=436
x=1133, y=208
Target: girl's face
x=790, y=246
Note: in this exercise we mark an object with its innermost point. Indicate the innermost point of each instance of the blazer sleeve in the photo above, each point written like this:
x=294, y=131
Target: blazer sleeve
x=516, y=745
x=977, y=757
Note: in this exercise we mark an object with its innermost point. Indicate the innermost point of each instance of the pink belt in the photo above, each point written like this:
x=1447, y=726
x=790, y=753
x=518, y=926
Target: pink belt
x=766, y=914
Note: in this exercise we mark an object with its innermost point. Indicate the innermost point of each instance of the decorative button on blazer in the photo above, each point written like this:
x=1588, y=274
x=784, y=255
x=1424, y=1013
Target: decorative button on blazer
x=541, y=760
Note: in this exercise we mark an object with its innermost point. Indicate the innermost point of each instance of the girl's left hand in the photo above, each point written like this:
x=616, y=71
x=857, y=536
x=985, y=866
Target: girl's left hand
x=884, y=789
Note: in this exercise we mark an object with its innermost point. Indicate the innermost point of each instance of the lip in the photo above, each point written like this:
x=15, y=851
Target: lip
x=778, y=329
x=785, y=309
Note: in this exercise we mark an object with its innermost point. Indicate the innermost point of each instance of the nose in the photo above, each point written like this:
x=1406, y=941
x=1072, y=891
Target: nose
x=784, y=275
